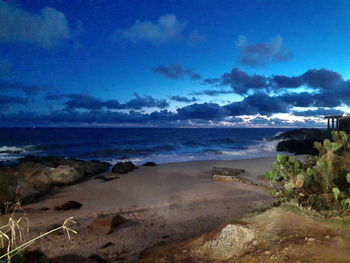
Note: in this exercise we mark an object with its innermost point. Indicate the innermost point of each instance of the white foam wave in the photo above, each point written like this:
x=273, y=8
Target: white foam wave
x=8, y=153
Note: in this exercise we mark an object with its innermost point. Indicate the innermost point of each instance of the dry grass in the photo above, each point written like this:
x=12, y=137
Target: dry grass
x=14, y=233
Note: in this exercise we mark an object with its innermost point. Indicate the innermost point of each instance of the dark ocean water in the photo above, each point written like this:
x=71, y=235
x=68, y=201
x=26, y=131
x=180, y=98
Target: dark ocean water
x=138, y=144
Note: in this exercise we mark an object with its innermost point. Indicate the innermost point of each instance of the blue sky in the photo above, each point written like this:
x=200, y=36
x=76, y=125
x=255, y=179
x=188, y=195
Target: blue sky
x=153, y=63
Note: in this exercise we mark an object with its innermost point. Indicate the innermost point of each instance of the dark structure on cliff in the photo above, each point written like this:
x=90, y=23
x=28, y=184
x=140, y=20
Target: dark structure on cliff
x=338, y=122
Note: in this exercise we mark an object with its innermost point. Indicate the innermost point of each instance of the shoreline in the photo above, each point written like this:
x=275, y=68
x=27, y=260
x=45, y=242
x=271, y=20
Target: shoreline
x=165, y=203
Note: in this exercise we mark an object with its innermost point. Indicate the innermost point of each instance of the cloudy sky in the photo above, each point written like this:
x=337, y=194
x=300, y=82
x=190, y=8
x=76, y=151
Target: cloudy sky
x=174, y=63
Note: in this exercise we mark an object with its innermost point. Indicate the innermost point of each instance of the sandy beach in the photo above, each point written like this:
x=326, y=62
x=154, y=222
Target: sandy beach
x=169, y=202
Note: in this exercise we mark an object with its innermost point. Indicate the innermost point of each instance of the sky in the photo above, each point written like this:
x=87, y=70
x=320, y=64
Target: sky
x=173, y=63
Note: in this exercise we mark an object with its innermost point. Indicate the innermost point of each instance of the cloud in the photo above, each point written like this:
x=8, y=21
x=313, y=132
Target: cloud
x=176, y=71
x=318, y=112
x=259, y=103
x=84, y=101
x=46, y=29
x=140, y=102
x=27, y=89
x=241, y=82
x=167, y=28
x=261, y=54
x=206, y=111
x=183, y=99
x=6, y=100
x=212, y=93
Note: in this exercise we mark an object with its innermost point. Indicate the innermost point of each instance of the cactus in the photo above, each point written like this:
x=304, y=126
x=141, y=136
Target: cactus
x=321, y=182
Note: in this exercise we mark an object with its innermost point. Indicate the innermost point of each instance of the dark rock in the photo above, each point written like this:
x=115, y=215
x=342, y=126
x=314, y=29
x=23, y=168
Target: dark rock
x=98, y=258
x=304, y=134
x=298, y=146
x=71, y=205
x=44, y=208
x=301, y=141
x=123, y=167
x=108, y=244
x=117, y=220
x=34, y=176
x=150, y=164
x=106, y=224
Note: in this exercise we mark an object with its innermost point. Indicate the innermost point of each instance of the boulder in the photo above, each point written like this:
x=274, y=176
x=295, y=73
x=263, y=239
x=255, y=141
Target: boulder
x=123, y=167
x=304, y=134
x=150, y=164
x=69, y=205
x=65, y=175
x=297, y=146
x=8, y=184
x=106, y=224
x=301, y=141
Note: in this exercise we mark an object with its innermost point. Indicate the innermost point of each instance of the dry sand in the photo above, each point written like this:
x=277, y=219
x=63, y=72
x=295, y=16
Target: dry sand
x=166, y=203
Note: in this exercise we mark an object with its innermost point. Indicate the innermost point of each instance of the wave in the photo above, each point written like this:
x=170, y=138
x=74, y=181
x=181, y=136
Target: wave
x=112, y=152
x=224, y=140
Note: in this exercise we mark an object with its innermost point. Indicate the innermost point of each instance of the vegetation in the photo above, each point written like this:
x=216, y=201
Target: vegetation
x=13, y=234
x=321, y=182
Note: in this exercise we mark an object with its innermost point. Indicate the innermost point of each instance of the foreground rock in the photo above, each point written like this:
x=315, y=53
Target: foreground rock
x=301, y=141
x=35, y=176
x=123, y=167
x=226, y=174
x=106, y=224
x=150, y=164
x=283, y=234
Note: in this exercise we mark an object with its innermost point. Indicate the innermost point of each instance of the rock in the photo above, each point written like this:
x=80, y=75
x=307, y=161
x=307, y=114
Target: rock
x=71, y=258
x=106, y=224
x=98, y=258
x=123, y=167
x=301, y=141
x=150, y=164
x=226, y=174
x=71, y=205
x=232, y=240
x=297, y=147
x=65, y=175
x=304, y=134
x=34, y=176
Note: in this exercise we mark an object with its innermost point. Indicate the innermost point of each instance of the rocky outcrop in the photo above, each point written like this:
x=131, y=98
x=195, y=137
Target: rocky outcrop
x=34, y=176
x=301, y=141
x=123, y=167
x=281, y=234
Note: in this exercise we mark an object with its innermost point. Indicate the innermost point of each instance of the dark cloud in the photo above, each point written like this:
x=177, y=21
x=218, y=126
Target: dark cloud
x=213, y=92
x=84, y=101
x=322, y=79
x=241, y=82
x=7, y=100
x=205, y=111
x=140, y=102
x=27, y=89
x=259, y=103
x=261, y=54
x=176, y=71
x=318, y=112
x=183, y=99
x=287, y=82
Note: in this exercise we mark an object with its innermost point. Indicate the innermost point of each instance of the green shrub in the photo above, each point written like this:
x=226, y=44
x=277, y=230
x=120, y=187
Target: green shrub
x=321, y=182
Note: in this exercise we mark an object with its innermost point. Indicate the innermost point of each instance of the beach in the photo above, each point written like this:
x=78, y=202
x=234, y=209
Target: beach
x=165, y=203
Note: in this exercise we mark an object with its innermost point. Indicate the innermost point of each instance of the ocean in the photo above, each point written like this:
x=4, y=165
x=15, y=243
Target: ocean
x=161, y=145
